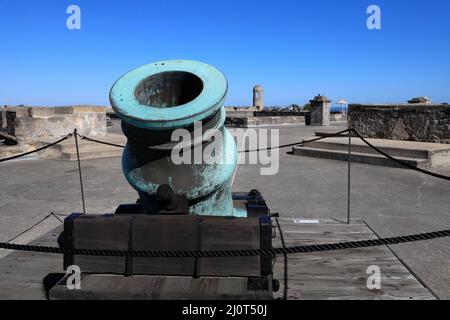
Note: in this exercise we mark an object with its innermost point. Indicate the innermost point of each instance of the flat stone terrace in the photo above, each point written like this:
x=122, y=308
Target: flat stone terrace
x=392, y=201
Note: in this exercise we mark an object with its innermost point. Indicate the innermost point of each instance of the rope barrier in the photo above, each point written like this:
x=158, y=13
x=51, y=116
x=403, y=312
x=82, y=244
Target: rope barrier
x=436, y=175
x=301, y=143
x=101, y=142
x=56, y=217
x=34, y=226
x=38, y=149
x=241, y=151
x=29, y=228
x=231, y=253
x=295, y=143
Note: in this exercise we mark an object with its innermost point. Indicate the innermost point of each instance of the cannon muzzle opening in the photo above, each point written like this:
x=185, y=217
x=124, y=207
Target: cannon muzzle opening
x=168, y=89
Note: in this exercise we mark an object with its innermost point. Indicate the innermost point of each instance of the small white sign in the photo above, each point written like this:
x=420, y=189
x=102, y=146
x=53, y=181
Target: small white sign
x=306, y=221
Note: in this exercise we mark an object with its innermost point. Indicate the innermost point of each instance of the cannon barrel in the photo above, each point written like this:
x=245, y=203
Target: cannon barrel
x=153, y=102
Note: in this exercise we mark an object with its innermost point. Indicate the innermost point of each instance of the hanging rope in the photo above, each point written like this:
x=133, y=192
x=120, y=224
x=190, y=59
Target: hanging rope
x=436, y=175
x=231, y=252
x=38, y=149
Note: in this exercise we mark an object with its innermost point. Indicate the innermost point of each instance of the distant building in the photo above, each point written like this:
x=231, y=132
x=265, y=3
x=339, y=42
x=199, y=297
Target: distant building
x=420, y=100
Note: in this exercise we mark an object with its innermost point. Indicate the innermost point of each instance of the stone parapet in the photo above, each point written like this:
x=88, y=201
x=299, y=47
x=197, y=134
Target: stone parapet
x=245, y=122
x=32, y=124
x=413, y=122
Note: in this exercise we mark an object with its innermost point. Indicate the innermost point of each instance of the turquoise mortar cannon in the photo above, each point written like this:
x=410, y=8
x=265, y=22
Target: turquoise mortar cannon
x=155, y=100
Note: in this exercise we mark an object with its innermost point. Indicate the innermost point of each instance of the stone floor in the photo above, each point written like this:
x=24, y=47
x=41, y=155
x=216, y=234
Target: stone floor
x=392, y=201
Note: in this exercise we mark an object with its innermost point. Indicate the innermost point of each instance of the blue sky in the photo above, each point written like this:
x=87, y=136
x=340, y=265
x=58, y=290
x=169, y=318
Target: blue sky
x=295, y=49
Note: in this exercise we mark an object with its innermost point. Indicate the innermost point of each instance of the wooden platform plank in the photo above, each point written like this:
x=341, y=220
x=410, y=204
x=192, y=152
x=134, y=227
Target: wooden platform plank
x=21, y=272
x=321, y=275
x=341, y=274
x=159, y=288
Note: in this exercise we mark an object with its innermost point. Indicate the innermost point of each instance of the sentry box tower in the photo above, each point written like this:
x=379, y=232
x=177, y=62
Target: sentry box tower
x=183, y=205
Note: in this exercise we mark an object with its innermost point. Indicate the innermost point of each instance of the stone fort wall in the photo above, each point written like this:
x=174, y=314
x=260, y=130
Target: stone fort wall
x=33, y=124
x=414, y=122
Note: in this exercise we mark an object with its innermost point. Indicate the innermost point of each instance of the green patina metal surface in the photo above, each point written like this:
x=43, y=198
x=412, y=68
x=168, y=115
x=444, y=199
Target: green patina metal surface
x=156, y=82
x=158, y=98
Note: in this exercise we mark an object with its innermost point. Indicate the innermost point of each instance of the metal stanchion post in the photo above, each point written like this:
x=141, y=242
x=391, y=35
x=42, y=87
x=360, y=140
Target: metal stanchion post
x=349, y=161
x=79, y=169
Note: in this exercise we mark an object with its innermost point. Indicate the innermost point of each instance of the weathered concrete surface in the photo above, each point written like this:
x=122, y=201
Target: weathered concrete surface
x=264, y=113
x=9, y=151
x=250, y=118
x=338, y=117
x=393, y=201
x=416, y=122
x=32, y=124
x=417, y=154
x=32, y=189
x=246, y=122
x=239, y=113
x=66, y=150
